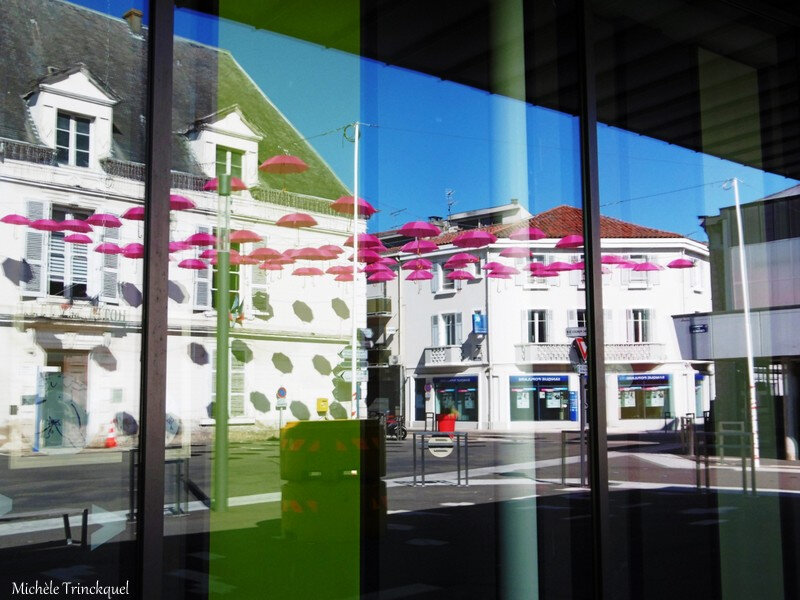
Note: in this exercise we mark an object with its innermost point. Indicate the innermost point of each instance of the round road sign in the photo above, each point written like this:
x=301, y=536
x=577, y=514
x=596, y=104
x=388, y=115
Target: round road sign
x=440, y=445
x=281, y=393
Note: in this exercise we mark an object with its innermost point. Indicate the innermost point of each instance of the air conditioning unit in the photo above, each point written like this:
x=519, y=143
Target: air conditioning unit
x=394, y=359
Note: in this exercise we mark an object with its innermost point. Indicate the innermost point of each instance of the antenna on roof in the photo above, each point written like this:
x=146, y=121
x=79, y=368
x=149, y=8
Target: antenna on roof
x=448, y=194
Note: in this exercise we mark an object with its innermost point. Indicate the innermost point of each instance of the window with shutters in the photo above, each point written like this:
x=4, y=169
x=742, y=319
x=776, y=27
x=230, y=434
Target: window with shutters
x=236, y=384
x=446, y=330
x=537, y=326
x=67, y=273
x=229, y=161
x=35, y=254
x=440, y=283
x=234, y=280
x=640, y=327
x=202, y=281
x=109, y=278
x=72, y=140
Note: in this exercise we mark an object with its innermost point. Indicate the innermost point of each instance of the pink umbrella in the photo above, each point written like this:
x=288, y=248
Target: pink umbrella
x=234, y=258
x=560, y=266
x=419, y=247
x=307, y=272
x=282, y=260
x=177, y=202
x=388, y=261
x=283, y=164
x=339, y=270
x=249, y=260
x=515, y=252
x=264, y=253
x=498, y=275
x=474, y=238
x=381, y=276
x=647, y=266
x=135, y=213
x=528, y=233
x=419, y=229
x=78, y=238
x=544, y=273
x=133, y=251
x=45, y=225
x=460, y=276
x=611, y=259
x=376, y=267
x=208, y=253
x=626, y=264
x=237, y=185
x=201, y=239
x=108, y=248
x=681, y=263
x=104, y=220
x=311, y=254
x=365, y=240
x=332, y=249
x=296, y=221
x=243, y=236
x=570, y=241
x=460, y=259
x=505, y=269
x=76, y=225
x=179, y=246
x=579, y=266
x=536, y=265
x=419, y=275
x=367, y=256
x=270, y=266
x=291, y=252
x=14, y=219
x=417, y=264
x=192, y=263
x=344, y=277
x=344, y=205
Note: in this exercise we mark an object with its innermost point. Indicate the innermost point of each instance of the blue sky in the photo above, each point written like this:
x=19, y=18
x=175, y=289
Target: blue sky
x=425, y=136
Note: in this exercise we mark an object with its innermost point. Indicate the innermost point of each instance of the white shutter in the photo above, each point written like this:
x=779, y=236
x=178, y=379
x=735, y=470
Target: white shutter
x=110, y=262
x=575, y=275
x=79, y=263
x=653, y=277
x=437, y=275
x=521, y=277
x=258, y=279
x=459, y=338
x=236, y=407
x=629, y=324
x=57, y=260
x=34, y=251
x=548, y=326
x=553, y=281
x=572, y=317
x=435, y=330
x=651, y=326
x=624, y=274
x=608, y=326
x=526, y=335
x=202, y=283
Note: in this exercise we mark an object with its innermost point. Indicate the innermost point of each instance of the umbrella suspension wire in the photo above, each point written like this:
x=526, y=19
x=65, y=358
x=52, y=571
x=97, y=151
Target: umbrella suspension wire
x=223, y=324
x=748, y=332
x=354, y=338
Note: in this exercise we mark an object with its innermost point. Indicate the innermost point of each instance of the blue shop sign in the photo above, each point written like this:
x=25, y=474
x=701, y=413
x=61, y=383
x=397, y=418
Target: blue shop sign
x=446, y=380
x=480, y=324
x=549, y=379
x=643, y=380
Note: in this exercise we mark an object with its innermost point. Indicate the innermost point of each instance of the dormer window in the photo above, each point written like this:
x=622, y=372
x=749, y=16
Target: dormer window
x=72, y=140
x=229, y=162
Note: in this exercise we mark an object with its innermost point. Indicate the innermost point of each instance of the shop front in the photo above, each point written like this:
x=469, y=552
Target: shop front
x=644, y=395
x=539, y=397
x=457, y=395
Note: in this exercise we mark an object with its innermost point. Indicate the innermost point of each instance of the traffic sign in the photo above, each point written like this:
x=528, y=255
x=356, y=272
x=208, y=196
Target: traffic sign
x=440, y=445
x=281, y=404
x=580, y=344
x=281, y=392
x=347, y=353
x=346, y=365
x=576, y=332
x=582, y=369
x=361, y=375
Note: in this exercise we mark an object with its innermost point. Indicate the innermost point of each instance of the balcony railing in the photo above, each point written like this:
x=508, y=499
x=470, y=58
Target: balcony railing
x=441, y=356
x=623, y=353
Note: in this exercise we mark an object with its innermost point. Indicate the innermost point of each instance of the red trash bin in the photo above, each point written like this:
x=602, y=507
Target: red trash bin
x=445, y=422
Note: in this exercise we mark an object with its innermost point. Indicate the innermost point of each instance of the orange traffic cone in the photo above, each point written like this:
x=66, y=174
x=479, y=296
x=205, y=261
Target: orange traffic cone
x=111, y=438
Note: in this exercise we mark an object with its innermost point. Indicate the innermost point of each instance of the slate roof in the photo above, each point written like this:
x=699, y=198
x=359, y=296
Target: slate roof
x=41, y=37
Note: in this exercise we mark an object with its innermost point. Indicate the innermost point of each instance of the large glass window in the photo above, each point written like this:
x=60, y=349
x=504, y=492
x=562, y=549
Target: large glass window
x=72, y=140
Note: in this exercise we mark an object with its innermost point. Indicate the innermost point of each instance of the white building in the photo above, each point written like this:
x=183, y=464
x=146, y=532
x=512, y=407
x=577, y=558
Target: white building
x=519, y=374
x=71, y=146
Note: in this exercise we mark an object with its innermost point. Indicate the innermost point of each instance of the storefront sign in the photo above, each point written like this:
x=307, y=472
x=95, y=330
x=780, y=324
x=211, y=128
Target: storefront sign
x=643, y=380
x=73, y=312
x=539, y=379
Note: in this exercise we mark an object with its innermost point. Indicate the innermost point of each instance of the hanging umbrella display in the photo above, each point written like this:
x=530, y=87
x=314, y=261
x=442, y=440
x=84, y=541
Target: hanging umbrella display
x=460, y=260
x=570, y=241
x=249, y=260
x=308, y=254
x=135, y=213
x=647, y=266
x=45, y=225
x=536, y=265
x=296, y=221
x=505, y=269
x=243, y=236
x=344, y=205
x=78, y=238
x=269, y=265
x=419, y=247
x=76, y=225
x=179, y=246
x=104, y=220
x=333, y=249
x=237, y=185
x=419, y=229
x=283, y=164
x=108, y=248
x=14, y=219
x=365, y=240
x=611, y=259
x=474, y=238
x=282, y=260
x=381, y=276
x=681, y=263
x=339, y=270
x=626, y=264
x=133, y=250
x=376, y=267
x=419, y=276
x=388, y=261
x=307, y=272
x=192, y=263
x=344, y=277
x=528, y=233
x=515, y=252
x=264, y=253
x=366, y=256
x=201, y=239
x=177, y=202
x=417, y=264
x=544, y=273
x=560, y=266
x=460, y=276
x=498, y=275
x=234, y=258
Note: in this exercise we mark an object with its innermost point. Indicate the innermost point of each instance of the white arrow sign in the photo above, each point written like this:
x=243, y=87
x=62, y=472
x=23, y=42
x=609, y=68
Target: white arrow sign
x=576, y=332
x=111, y=523
x=360, y=376
x=361, y=353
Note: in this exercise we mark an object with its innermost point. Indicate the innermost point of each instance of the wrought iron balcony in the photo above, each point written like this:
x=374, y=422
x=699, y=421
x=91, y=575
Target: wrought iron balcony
x=614, y=353
x=442, y=356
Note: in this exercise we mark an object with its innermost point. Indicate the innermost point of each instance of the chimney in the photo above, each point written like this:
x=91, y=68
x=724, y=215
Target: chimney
x=134, y=19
